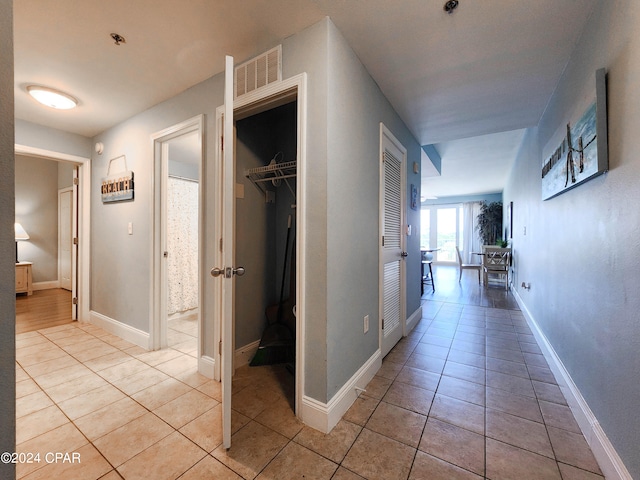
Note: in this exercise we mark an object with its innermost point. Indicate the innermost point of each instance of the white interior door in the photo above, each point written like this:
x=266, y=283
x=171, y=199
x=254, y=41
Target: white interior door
x=392, y=250
x=65, y=226
x=226, y=272
x=75, y=233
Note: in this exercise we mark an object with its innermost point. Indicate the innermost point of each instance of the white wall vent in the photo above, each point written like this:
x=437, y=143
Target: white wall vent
x=259, y=71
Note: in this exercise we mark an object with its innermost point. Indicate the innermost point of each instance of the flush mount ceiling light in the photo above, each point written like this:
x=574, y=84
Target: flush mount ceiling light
x=51, y=97
x=450, y=6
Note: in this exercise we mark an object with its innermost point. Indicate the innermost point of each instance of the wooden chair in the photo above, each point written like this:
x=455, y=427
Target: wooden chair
x=467, y=266
x=496, y=261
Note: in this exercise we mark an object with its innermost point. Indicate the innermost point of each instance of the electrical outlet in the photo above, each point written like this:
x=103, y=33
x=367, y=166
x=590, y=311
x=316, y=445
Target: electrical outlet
x=366, y=323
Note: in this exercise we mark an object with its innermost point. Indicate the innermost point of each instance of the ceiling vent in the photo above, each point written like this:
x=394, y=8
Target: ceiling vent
x=259, y=71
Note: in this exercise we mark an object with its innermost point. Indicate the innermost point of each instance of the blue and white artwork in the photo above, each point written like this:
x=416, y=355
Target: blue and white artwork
x=582, y=152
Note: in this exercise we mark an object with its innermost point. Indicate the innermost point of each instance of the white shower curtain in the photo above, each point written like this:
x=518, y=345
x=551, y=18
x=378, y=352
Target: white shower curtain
x=182, y=244
x=470, y=239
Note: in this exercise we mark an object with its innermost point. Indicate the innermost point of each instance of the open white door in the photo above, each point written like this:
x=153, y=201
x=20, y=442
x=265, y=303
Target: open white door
x=226, y=273
x=74, y=244
x=65, y=236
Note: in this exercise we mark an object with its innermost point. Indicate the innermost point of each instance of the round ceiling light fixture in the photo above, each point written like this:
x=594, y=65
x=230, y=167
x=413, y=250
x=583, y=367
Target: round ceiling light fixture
x=450, y=6
x=51, y=97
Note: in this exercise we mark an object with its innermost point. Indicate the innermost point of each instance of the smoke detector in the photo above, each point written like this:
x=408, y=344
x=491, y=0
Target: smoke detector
x=450, y=6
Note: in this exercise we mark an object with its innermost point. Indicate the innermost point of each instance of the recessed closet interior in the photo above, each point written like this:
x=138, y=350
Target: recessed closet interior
x=264, y=204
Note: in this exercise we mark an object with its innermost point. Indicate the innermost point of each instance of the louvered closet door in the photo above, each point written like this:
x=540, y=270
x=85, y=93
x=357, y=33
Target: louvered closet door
x=392, y=242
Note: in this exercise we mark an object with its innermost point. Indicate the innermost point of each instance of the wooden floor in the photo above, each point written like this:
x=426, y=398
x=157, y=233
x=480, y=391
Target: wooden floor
x=43, y=309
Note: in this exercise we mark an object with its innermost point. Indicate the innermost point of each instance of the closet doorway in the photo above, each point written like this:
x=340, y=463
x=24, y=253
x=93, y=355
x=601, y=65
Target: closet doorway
x=178, y=160
x=266, y=198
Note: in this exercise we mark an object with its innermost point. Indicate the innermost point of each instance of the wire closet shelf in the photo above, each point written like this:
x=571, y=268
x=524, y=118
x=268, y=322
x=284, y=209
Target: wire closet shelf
x=274, y=172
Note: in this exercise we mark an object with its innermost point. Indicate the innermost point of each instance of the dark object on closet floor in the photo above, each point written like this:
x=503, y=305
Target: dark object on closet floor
x=277, y=344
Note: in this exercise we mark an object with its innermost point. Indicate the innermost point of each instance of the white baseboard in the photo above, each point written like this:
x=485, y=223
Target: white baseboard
x=122, y=330
x=206, y=366
x=323, y=416
x=608, y=459
x=46, y=285
x=413, y=320
x=244, y=355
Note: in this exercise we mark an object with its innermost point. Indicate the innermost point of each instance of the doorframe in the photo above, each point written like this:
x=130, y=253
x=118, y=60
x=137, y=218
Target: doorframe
x=266, y=98
x=84, y=219
x=385, y=132
x=159, y=178
x=73, y=208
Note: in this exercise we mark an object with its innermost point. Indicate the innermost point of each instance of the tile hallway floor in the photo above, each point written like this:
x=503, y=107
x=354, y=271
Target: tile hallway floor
x=467, y=395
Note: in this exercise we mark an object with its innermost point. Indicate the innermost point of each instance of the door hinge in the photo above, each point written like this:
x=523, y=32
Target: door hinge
x=220, y=348
x=383, y=323
x=383, y=240
x=220, y=244
x=75, y=240
x=76, y=182
x=74, y=300
x=221, y=143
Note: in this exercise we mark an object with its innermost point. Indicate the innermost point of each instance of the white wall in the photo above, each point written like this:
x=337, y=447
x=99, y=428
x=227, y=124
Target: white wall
x=7, y=246
x=580, y=252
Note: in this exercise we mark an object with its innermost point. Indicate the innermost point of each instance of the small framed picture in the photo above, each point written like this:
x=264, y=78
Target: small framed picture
x=414, y=197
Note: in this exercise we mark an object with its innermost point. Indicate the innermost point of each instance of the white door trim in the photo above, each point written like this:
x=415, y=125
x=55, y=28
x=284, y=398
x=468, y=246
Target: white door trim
x=84, y=219
x=158, y=297
x=249, y=103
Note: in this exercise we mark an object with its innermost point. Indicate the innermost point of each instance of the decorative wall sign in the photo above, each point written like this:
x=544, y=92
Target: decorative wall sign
x=582, y=152
x=118, y=186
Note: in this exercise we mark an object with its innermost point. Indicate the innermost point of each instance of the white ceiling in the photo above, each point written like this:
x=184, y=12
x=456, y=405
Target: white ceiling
x=489, y=67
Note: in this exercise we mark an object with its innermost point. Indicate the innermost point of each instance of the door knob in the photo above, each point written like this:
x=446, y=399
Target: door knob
x=404, y=254
x=227, y=272
x=238, y=271
x=216, y=272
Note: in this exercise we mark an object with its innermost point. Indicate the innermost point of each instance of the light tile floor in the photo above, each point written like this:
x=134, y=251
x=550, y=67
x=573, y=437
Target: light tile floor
x=467, y=395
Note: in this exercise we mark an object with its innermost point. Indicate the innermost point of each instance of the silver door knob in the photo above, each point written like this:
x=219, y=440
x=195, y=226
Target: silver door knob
x=216, y=272
x=404, y=254
x=238, y=271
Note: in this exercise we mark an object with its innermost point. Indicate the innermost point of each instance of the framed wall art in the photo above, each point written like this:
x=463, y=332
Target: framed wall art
x=582, y=152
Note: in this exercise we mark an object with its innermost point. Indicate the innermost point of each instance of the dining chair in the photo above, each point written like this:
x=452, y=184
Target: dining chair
x=496, y=261
x=467, y=266
x=427, y=272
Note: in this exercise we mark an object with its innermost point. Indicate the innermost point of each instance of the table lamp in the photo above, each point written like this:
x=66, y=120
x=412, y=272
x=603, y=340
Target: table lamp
x=21, y=234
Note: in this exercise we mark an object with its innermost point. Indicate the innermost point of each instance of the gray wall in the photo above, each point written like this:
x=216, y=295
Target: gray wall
x=308, y=52
x=37, y=211
x=37, y=136
x=580, y=252
x=121, y=263
x=356, y=106
x=7, y=247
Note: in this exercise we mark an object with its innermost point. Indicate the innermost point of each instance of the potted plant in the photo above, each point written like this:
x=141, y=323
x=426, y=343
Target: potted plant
x=490, y=222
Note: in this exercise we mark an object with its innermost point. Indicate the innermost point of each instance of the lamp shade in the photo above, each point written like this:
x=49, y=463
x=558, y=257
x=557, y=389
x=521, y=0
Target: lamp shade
x=21, y=233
